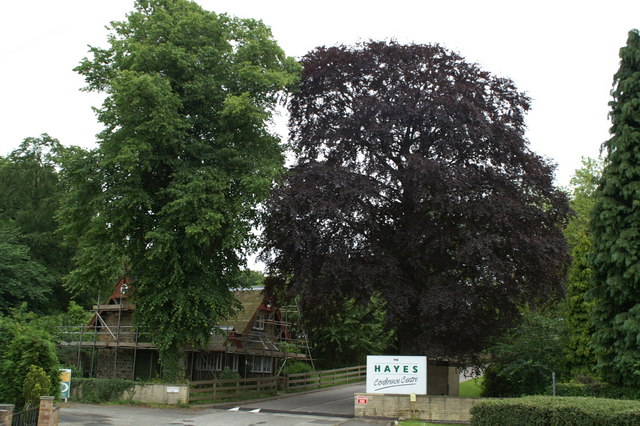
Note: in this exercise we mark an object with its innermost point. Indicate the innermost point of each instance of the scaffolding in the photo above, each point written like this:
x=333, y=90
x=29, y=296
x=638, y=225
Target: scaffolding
x=111, y=329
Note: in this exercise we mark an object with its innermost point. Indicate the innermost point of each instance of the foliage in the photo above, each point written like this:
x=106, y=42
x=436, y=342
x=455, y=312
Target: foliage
x=248, y=278
x=31, y=196
x=523, y=360
x=346, y=333
x=583, y=186
x=23, y=279
x=75, y=315
x=597, y=389
x=22, y=346
x=616, y=240
x=169, y=197
x=36, y=384
x=95, y=391
x=229, y=374
x=414, y=179
x=545, y=410
x=295, y=367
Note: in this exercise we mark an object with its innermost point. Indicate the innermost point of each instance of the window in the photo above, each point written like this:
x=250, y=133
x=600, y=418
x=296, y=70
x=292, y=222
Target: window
x=234, y=362
x=261, y=364
x=211, y=361
x=258, y=324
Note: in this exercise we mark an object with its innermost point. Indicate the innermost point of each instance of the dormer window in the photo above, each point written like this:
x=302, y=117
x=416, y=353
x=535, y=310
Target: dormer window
x=258, y=324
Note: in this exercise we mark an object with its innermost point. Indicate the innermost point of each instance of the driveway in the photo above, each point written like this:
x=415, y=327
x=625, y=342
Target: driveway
x=334, y=401
x=331, y=406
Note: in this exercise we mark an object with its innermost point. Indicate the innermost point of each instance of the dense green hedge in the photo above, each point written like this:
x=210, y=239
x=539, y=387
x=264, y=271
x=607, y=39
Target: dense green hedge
x=547, y=410
x=93, y=391
x=597, y=390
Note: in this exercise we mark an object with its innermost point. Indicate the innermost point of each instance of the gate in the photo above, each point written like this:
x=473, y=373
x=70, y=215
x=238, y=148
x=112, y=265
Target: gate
x=28, y=416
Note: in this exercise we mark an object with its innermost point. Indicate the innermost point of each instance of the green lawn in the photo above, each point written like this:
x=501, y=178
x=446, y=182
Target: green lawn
x=471, y=388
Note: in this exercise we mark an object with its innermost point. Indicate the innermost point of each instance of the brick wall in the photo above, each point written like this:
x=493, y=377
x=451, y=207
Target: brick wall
x=46, y=415
x=6, y=414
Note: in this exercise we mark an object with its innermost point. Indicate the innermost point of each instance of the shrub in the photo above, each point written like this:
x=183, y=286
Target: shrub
x=229, y=374
x=546, y=410
x=94, y=391
x=295, y=367
x=36, y=384
x=28, y=347
x=523, y=361
x=597, y=390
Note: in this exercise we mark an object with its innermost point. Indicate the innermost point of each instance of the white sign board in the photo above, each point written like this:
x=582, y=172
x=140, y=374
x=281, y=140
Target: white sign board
x=397, y=374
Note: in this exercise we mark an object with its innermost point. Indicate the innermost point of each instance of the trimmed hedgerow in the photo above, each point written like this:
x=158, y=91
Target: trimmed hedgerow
x=93, y=391
x=597, y=390
x=546, y=410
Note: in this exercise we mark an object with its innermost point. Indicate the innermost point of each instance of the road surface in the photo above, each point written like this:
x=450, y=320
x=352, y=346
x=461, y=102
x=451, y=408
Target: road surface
x=332, y=406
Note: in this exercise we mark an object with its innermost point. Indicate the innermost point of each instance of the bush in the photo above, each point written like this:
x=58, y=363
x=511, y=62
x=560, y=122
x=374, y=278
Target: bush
x=27, y=347
x=94, y=391
x=546, y=410
x=522, y=361
x=295, y=367
x=229, y=374
x=36, y=384
x=597, y=390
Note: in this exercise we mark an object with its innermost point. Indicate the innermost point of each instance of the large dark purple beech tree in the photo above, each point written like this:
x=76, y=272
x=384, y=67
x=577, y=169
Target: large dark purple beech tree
x=414, y=181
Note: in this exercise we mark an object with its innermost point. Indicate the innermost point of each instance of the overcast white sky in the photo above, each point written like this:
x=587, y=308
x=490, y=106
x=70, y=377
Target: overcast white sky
x=562, y=53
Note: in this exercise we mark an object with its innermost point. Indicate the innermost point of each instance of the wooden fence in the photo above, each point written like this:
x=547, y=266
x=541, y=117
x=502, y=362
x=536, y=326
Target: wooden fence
x=319, y=379
x=212, y=390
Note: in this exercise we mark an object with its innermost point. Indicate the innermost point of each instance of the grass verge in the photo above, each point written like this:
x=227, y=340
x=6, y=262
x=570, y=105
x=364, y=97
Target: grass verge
x=471, y=388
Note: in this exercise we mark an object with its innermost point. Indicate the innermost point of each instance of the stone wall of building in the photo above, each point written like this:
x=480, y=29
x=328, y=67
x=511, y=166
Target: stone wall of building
x=106, y=358
x=443, y=380
x=160, y=393
x=425, y=407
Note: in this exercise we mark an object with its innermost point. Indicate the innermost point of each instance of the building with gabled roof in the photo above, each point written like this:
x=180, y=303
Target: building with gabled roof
x=251, y=343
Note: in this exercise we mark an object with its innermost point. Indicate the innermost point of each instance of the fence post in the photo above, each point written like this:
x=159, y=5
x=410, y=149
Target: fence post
x=45, y=415
x=6, y=414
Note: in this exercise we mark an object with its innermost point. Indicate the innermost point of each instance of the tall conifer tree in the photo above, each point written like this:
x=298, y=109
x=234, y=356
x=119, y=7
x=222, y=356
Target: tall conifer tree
x=583, y=187
x=616, y=230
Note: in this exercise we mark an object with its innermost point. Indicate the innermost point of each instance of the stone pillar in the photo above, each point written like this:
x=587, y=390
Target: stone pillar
x=6, y=414
x=45, y=416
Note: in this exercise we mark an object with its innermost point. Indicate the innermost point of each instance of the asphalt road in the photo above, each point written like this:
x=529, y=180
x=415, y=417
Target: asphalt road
x=337, y=401
x=333, y=406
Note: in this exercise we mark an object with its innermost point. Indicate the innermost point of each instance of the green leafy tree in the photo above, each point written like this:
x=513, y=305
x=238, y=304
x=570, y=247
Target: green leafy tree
x=616, y=230
x=185, y=157
x=582, y=189
x=31, y=196
x=343, y=336
x=22, y=346
x=248, y=278
x=22, y=278
x=522, y=361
